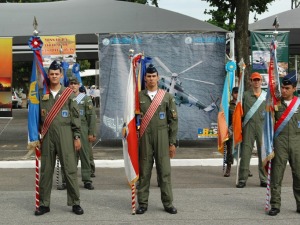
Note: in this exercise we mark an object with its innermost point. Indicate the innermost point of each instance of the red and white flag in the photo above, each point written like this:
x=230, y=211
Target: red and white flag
x=130, y=138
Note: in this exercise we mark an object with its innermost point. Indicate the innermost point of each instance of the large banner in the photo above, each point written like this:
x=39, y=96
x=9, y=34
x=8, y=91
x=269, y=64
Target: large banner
x=196, y=62
x=60, y=48
x=6, y=77
x=260, y=46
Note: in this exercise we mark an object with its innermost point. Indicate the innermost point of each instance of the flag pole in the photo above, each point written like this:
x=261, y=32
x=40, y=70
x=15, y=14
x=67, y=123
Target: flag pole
x=241, y=85
x=274, y=97
x=133, y=188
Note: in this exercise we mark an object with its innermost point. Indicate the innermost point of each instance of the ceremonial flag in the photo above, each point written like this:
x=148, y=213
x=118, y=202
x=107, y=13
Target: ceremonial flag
x=38, y=79
x=238, y=113
x=130, y=139
x=223, y=116
x=76, y=72
x=65, y=80
x=267, y=152
x=273, y=94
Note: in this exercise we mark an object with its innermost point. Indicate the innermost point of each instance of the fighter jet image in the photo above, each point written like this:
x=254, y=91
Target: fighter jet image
x=174, y=86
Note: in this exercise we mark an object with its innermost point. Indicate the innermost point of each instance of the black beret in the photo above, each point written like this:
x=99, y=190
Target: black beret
x=235, y=90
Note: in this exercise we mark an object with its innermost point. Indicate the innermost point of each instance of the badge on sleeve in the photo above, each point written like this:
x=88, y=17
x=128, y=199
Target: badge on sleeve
x=43, y=112
x=162, y=115
x=81, y=112
x=65, y=113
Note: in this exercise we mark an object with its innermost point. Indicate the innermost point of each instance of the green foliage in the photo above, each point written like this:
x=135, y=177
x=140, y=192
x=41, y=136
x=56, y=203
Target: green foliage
x=21, y=75
x=224, y=11
x=84, y=64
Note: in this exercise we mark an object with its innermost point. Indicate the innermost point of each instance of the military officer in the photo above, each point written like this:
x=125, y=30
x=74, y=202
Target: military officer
x=87, y=131
x=61, y=137
x=158, y=132
x=229, y=142
x=286, y=143
x=254, y=104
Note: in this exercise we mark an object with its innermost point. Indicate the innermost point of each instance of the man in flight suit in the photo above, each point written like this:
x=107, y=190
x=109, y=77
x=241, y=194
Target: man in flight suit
x=286, y=143
x=157, y=140
x=254, y=104
x=62, y=139
x=87, y=134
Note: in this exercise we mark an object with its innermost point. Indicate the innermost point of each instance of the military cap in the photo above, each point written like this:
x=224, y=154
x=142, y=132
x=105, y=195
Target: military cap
x=151, y=69
x=73, y=80
x=54, y=65
x=290, y=78
x=235, y=90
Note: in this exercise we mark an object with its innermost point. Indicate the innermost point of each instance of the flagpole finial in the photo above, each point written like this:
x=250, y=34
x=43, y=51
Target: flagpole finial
x=131, y=52
x=276, y=25
x=35, y=25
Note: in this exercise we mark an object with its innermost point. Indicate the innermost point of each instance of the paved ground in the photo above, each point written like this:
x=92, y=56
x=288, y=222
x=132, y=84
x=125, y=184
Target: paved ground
x=201, y=194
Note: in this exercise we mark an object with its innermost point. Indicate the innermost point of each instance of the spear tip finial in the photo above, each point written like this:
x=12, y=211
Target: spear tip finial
x=35, y=25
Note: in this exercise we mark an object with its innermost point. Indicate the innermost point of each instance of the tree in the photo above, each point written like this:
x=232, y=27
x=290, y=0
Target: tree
x=233, y=15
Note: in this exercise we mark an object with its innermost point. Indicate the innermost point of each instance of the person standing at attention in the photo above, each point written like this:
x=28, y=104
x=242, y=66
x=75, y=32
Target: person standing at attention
x=254, y=105
x=158, y=132
x=286, y=143
x=60, y=124
x=87, y=131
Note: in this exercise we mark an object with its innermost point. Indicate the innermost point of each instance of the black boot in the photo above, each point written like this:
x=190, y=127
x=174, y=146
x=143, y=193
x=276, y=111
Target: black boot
x=227, y=172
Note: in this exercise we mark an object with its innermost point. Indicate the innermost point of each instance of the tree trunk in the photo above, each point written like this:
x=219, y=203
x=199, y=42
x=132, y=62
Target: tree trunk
x=242, y=36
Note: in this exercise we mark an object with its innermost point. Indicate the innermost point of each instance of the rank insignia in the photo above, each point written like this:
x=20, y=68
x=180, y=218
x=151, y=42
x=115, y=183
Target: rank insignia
x=90, y=106
x=43, y=112
x=45, y=97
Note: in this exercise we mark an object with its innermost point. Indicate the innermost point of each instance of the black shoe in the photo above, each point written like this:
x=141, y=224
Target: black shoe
x=93, y=175
x=250, y=174
x=171, y=210
x=41, y=210
x=141, y=210
x=263, y=184
x=241, y=185
x=88, y=185
x=63, y=186
x=77, y=209
x=274, y=211
x=298, y=210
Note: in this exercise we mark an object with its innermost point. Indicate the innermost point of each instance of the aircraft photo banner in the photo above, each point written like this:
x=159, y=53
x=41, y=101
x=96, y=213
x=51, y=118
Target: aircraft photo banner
x=6, y=77
x=194, y=62
x=260, y=46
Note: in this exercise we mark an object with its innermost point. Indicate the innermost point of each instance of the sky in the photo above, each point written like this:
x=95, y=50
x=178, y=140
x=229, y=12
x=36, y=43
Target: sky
x=196, y=8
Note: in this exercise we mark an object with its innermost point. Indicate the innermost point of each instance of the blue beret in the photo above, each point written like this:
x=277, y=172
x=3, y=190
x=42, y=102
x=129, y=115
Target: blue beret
x=54, y=66
x=290, y=78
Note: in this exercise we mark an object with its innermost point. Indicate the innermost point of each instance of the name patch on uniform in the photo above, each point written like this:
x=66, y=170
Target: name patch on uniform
x=81, y=112
x=162, y=115
x=65, y=113
x=298, y=124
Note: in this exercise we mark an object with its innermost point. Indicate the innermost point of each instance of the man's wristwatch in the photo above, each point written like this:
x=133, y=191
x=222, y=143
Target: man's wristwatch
x=76, y=137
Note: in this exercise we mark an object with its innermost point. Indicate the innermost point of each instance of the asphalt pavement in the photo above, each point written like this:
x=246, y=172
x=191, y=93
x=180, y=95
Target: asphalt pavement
x=201, y=194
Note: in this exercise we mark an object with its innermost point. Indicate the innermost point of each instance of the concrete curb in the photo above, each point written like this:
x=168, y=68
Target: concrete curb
x=120, y=163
